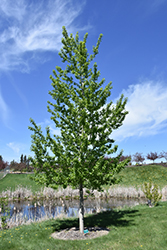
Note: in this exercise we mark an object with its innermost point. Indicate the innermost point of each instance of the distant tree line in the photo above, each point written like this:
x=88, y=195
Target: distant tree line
x=22, y=166
x=139, y=158
x=25, y=166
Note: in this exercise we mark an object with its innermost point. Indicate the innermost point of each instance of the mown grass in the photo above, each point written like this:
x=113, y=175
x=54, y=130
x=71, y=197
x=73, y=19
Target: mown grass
x=13, y=180
x=132, y=176
x=134, y=228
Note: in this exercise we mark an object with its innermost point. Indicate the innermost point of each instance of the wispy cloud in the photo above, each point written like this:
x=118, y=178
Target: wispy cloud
x=31, y=27
x=51, y=125
x=4, y=110
x=16, y=147
x=156, y=4
x=147, y=108
x=150, y=7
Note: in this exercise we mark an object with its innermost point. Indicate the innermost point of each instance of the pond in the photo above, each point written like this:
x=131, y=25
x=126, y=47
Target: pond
x=38, y=210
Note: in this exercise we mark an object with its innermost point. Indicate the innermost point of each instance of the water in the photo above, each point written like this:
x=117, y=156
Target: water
x=34, y=210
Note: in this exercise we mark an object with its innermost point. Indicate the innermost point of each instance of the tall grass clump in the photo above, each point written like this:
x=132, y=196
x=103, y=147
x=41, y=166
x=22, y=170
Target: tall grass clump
x=152, y=193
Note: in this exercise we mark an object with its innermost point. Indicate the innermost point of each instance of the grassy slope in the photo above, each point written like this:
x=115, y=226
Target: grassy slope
x=135, y=228
x=132, y=176
x=13, y=180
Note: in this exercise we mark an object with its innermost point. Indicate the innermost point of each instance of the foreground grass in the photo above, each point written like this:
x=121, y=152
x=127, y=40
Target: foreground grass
x=139, y=227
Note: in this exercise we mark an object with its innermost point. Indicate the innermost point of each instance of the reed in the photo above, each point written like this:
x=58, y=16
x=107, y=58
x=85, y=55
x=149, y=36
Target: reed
x=49, y=193
x=20, y=193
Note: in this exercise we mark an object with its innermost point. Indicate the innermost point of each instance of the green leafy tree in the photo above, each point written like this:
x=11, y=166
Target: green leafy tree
x=152, y=193
x=85, y=122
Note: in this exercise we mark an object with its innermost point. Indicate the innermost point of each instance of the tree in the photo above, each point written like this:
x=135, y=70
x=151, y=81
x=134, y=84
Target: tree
x=152, y=156
x=79, y=110
x=12, y=164
x=138, y=158
x=163, y=154
x=25, y=159
x=18, y=166
x=124, y=157
x=21, y=159
x=3, y=164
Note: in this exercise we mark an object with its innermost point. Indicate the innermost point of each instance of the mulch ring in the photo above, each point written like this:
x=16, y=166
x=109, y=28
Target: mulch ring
x=74, y=233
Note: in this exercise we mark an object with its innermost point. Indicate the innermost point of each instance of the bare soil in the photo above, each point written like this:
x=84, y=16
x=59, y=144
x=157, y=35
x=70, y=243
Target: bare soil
x=74, y=233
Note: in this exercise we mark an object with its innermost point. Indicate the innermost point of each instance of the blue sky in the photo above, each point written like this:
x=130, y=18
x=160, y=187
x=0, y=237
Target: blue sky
x=132, y=55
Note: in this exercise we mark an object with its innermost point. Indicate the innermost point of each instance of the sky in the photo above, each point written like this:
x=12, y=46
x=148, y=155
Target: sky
x=132, y=55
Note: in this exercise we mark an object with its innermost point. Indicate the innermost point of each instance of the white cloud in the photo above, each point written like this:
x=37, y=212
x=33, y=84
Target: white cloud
x=16, y=147
x=51, y=125
x=147, y=108
x=4, y=110
x=30, y=27
x=12, y=8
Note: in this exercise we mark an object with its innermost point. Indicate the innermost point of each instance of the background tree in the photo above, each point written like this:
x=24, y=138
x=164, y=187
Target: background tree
x=25, y=159
x=163, y=154
x=21, y=158
x=28, y=163
x=124, y=157
x=1, y=158
x=3, y=164
x=17, y=166
x=138, y=158
x=152, y=156
x=12, y=163
x=79, y=110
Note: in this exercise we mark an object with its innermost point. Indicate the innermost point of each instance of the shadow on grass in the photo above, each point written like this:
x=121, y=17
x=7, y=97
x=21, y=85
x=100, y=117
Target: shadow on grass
x=103, y=219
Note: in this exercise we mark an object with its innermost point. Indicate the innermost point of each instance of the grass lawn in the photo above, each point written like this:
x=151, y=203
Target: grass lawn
x=139, y=227
x=132, y=176
x=13, y=180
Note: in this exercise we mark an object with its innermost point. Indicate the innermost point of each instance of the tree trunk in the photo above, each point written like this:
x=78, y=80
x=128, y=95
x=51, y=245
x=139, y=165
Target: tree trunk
x=81, y=201
x=81, y=209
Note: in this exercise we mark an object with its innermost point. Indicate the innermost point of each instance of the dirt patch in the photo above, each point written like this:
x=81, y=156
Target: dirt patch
x=74, y=233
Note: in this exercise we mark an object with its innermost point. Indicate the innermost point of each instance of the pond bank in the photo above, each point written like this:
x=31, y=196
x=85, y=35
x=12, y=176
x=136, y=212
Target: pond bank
x=25, y=212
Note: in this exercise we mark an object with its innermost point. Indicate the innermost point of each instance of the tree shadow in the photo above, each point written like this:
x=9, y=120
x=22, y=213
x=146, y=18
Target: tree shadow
x=104, y=219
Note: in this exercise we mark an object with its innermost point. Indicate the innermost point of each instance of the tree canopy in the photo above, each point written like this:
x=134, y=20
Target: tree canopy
x=79, y=109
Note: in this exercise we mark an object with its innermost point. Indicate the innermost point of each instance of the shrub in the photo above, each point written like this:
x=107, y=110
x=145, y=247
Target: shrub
x=4, y=211
x=151, y=192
